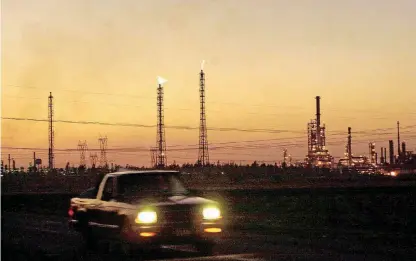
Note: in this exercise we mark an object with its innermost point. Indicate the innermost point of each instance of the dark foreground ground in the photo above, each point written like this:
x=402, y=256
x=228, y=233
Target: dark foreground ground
x=35, y=237
x=292, y=224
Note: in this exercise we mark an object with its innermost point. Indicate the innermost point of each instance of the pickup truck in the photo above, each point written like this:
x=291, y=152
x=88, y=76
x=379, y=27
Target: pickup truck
x=145, y=209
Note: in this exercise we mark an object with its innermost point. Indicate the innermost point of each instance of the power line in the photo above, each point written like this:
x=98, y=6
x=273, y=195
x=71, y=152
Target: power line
x=213, y=110
x=195, y=128
x=150, y=126
x=138, y=106
x=138, y=96
x=255, y=146
x=291, y=141
x=211, y=102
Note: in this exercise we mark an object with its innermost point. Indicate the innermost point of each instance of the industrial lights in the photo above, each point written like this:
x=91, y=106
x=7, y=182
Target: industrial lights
x=146, y=217
x=211, y=213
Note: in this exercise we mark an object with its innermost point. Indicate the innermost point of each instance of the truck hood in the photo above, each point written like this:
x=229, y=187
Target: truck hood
x=167, y=201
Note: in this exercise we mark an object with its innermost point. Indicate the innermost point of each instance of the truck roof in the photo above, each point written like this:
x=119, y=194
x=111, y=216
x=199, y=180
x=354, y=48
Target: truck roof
x=129, y=172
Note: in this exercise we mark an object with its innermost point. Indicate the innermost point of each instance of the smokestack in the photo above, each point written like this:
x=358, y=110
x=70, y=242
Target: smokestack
x=391, y=151
x=318, y=120
x=349, y=147
x=376, y=158
x=318, y=111
x=404, y=150
x=398, y=138
x=9, y=162
x=34, y=162
x=385, y=155
x=381, y=156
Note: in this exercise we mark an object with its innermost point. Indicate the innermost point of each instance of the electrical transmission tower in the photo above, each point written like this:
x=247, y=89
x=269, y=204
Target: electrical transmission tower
x=203, y=156
x=51, y=133
x=103, y=152
x=93, y=159
x=153, y=152
x=161, y=142
x=82, y=148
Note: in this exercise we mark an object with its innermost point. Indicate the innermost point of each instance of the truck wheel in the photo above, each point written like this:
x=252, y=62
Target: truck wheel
x=205, y=248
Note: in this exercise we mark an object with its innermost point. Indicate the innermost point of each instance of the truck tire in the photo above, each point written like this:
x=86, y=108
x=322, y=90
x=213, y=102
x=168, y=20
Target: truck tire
x=89, y=239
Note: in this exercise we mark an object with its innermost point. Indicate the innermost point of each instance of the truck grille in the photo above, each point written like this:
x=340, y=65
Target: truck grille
x=178, y=216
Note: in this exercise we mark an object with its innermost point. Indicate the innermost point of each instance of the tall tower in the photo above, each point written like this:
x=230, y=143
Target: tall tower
x=161, y=142
x=51, y=161
x=349, y=147
x=103, y=152
x=203, y=155
x=398, y=139
x=82, y=148
x=318, y=121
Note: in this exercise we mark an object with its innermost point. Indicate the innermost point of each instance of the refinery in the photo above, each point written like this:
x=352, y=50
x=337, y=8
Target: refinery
x=318, y=155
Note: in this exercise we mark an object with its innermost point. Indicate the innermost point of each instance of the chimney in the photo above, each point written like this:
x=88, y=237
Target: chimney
x=349, y=147
x=391, y=151
x=404, y=150
x=398, y=138
x=318, y=120
x=381, y=156
x=385, y=155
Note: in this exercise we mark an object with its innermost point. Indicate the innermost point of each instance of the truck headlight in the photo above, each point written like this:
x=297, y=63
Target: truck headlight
x=211, y=213
x=146, y=217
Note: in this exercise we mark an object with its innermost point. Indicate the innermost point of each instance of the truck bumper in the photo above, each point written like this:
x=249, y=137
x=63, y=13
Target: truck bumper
x=154, y=236
x=73, y=225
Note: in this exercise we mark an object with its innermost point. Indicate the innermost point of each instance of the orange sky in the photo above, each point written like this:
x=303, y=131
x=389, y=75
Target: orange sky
x=266, y=61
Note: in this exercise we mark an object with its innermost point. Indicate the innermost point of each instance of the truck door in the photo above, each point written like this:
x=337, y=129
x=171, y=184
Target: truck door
x=109, y=208
x=97, y=207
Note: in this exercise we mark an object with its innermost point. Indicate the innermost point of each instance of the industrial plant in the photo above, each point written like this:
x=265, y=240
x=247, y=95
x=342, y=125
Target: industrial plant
x=318, y=155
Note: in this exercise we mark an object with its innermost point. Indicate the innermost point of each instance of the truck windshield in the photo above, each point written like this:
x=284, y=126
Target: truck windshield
x=134, y=185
